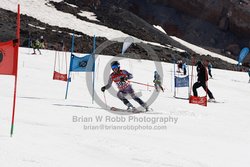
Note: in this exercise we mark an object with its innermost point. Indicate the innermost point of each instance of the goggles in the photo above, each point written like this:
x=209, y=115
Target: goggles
x=114, y=66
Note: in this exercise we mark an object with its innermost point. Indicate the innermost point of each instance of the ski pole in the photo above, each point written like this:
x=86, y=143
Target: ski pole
x=141, y=84
x=105, y=100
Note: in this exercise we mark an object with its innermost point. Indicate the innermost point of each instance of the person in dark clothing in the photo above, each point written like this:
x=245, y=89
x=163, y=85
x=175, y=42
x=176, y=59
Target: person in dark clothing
x=209, y=67
x=61, y=45
x=179, y=65
x=157, y=81
x=202, y=79
x=184, y=68
x=249, y=75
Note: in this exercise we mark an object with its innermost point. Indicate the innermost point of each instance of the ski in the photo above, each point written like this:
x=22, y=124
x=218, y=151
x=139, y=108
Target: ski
x=130, y=111
x=215, y=101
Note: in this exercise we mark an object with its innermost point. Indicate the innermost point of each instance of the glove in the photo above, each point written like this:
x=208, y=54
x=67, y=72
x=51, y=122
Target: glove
x=103, y=88
x=123, y=79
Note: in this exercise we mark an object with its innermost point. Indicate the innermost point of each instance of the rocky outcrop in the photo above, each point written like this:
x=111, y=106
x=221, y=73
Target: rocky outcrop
x=207, y=23
x=117, y=18
x=236, y=12
x=239, y=20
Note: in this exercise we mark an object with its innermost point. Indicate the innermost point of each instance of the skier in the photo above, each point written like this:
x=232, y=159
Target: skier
x=209, y=66
x=202, y=79
x=121, y=77
x=249, y=75
x=157, y=81
x=36, y=45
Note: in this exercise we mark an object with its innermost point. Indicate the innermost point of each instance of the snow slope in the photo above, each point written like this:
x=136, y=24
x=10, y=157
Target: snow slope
x=41, y=10
x=202, y=51
x=45, y=133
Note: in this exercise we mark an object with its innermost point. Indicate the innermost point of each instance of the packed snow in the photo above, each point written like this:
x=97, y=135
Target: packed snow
x=46, y=132
x=203, y=51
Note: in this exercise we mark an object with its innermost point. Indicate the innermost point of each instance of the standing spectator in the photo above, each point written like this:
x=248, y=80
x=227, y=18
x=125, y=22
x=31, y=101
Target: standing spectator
x=249, y=75
x=179, y=65
x=202, y=79
x=184, y=68
x=61, y=45
x=209, y=66
x=157, y=81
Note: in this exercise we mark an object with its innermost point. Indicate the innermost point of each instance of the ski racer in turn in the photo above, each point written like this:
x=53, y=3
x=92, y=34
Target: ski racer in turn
x=121, y=77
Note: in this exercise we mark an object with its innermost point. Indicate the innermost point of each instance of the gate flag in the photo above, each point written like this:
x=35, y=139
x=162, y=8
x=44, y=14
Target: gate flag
x=82, y=64
x=127, y=42
x=243, y=53
x=181, y=81
x=9, y=62
x=8, y=57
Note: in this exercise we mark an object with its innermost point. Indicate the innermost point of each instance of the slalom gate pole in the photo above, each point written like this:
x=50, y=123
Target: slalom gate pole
x=70, y=64
x=65, y=56
x=55, y=61
x=192, y=75
x=93, y=86
x=174, y=80
x=206, y=76
x=171, y=80
x=13, y=111
x=188, y=81
x=16, y=71
x=97, y=73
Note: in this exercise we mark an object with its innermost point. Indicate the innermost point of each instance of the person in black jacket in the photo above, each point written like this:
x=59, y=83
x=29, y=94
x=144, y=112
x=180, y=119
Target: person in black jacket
x=249, y=75
x=202, y=79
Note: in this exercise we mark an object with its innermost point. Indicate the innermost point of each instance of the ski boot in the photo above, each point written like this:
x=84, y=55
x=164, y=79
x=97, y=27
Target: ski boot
x=211, y=100
x=145, y=106
x=130, y=108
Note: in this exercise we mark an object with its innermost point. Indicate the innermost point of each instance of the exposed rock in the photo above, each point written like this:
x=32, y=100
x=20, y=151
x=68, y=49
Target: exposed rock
x=234, y=50
x=213, y=11
x=224, y=23
x=197, y=21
